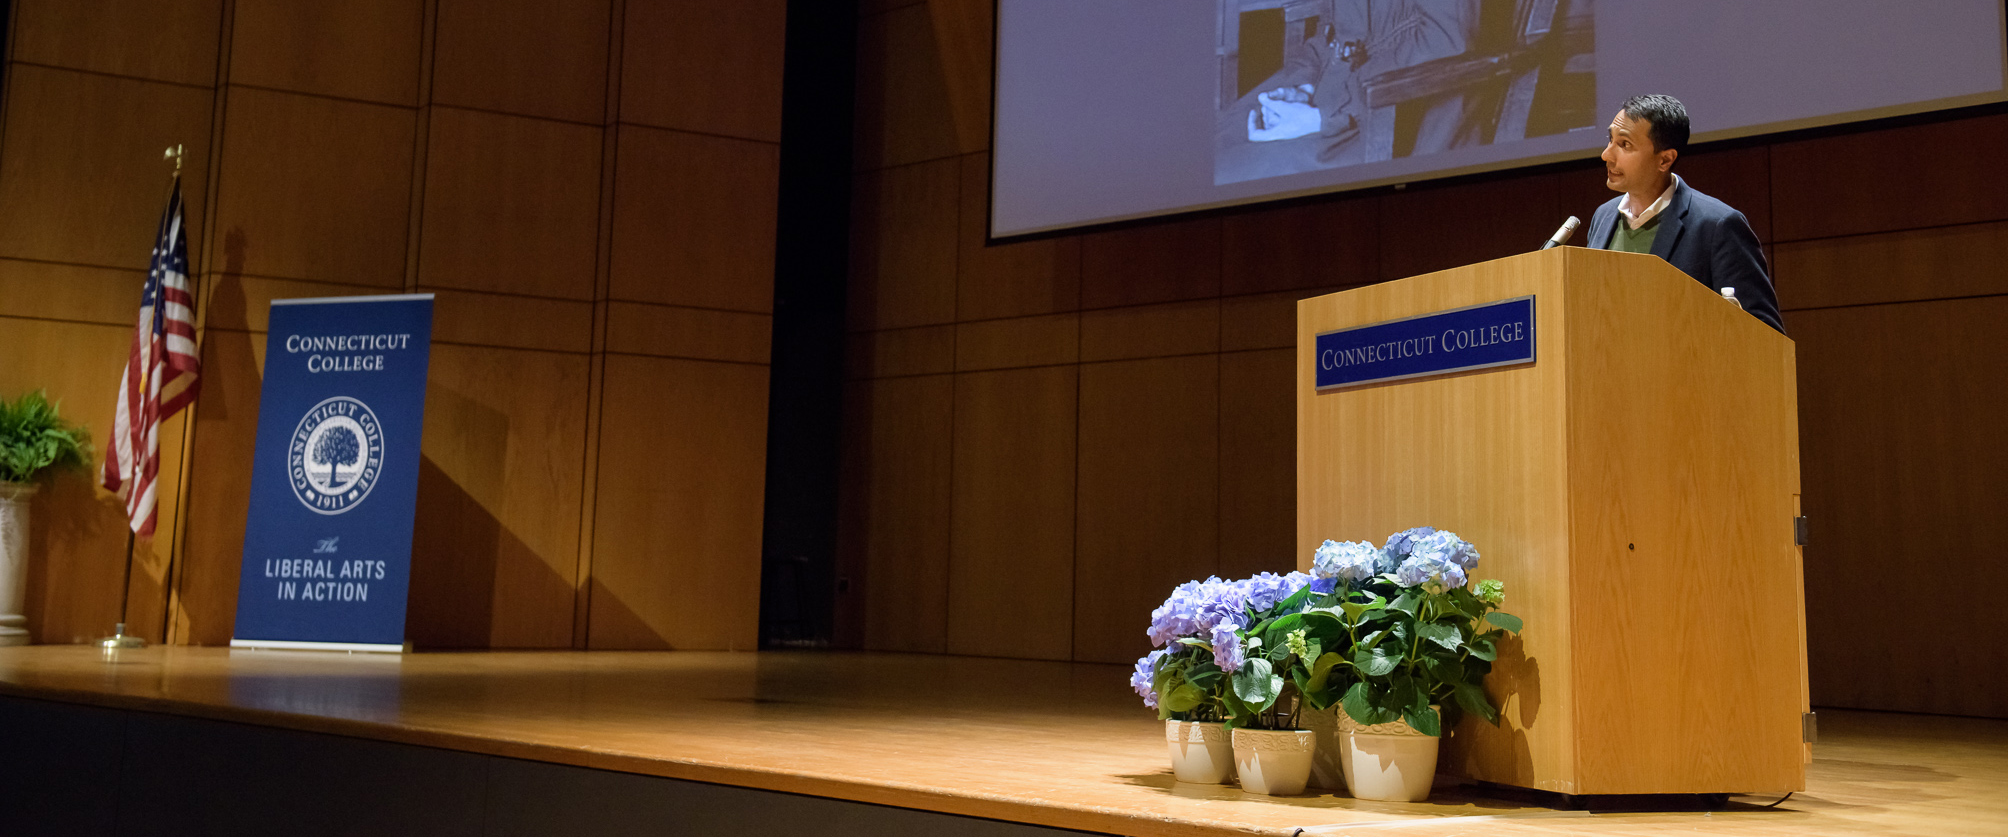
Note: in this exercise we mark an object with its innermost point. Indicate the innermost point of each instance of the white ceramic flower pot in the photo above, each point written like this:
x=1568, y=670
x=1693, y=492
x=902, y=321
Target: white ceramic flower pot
x=1200, y=753
x=1387, y=762
x=14, y=561
x=1276, y=762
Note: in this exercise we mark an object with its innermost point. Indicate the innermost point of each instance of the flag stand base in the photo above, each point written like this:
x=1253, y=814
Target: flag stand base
x=120, y=641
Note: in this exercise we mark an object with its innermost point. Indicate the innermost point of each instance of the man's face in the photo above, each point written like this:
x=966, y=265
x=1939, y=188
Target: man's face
x=1631, y=163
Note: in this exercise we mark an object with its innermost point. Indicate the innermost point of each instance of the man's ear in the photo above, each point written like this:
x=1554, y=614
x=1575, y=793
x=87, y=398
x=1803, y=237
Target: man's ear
x=1666, y=159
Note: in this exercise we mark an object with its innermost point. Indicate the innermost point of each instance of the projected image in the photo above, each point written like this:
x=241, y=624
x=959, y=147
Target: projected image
x=1322, y=84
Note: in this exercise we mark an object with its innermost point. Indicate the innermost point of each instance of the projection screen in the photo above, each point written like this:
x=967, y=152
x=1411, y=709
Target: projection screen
x=1110, y=110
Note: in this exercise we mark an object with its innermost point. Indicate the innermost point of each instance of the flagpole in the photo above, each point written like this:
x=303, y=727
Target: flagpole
x=120, y=640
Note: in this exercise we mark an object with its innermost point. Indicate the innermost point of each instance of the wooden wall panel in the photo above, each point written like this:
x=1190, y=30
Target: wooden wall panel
x=902, y=528
x=316, y=188
x=1739, y=177
x=244, y=303
x=1845, y=184
x=57, y=291
x=1258, y=462
x=511, y=205
x=511, y=322
x=82, y=180
x=676, y=553
x=964, y=30
x=76, y=531
x=1158, y=263
x=1008, y=280
x=903, y=248
x=697, y=333
x=359, y=49
x=481, y=45
x=928, y=350
x=1179, y=328
x=495, y=548
x=1265, y=321
x=902, y=111
x=703, y=66
x=1148, y=496
x=694, y=220
x=173, y=41
x=219, y=489
x=1011, y=568
x=1895, y=267
x=1905, y=476
x=1304, y=246
x=1434, y=228
x=1026, y=341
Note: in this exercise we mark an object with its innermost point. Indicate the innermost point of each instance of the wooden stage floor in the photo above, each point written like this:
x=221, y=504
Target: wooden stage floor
x=1053, y=744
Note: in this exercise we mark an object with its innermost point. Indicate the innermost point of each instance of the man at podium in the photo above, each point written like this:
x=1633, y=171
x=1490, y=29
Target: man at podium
x=1656, y=212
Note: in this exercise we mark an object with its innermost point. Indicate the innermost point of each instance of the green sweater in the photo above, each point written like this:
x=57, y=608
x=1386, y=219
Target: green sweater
x=1634, y=241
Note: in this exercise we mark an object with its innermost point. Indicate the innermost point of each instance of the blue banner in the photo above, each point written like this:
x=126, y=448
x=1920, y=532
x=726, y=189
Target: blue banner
x=1480, y=337
x=327, y=546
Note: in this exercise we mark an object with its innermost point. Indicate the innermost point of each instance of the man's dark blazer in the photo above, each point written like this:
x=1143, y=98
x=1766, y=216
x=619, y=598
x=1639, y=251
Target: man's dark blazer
x=1707, y=240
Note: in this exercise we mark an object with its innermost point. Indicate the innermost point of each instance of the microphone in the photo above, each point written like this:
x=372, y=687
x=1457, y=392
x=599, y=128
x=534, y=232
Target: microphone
x=1561, y=235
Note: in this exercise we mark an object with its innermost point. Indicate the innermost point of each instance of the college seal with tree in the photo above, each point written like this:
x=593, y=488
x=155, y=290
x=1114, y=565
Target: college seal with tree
x=335, y=455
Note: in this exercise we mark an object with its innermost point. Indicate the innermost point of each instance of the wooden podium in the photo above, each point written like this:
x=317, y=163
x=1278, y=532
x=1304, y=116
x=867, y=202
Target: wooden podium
x=1635, y=487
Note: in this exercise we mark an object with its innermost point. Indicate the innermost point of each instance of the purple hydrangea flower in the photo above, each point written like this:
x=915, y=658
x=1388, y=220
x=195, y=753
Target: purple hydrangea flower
x=1194, y=608
x=1145, y=675
x=1227, y=651
x=1264, y=590
x=1353, y=560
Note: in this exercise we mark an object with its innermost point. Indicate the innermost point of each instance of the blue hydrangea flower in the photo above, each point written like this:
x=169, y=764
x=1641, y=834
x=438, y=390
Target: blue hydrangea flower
x=1227, y=651
x=1441, y=546
x=1353, y=560
x=1399, y=543
x=1146, y=673
x=1265, y=590
x=1421, y=567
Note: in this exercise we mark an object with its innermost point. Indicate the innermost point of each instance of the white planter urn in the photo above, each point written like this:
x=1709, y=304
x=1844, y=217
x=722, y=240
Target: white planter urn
x=14, y=561
x=1275, y=762
x=1386, y=762
x=1200, y=753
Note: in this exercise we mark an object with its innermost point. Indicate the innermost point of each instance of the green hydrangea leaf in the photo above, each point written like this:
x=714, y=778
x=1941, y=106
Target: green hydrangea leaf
x=1504, y=620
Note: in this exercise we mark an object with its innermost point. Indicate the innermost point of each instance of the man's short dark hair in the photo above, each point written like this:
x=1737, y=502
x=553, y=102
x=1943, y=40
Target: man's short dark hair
x=1668, y=117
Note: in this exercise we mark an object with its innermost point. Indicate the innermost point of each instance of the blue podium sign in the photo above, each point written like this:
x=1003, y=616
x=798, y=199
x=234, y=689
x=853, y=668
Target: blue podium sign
x=327, y=544
x=1459, y=340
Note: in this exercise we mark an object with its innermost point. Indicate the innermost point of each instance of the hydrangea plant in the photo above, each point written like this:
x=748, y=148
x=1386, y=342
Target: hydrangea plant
x=1385, y=632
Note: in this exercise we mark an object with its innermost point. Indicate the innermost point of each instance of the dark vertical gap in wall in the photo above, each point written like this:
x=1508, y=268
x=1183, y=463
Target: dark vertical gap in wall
x=811, y=263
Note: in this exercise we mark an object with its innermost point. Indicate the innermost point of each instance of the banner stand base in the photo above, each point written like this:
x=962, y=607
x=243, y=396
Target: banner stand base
x=352, y=647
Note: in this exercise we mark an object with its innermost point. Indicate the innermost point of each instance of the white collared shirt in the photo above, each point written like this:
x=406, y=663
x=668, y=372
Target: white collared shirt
x=1634, y=220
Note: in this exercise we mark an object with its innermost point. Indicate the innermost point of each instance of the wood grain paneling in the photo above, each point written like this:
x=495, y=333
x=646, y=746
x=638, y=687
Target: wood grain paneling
x=1148, y=512
x=244, y=303
x=694, y=220
x=903, y=113
x=1008, y=280
x=900, y=529
x=903, y=246
x=315, y=188
x=1265, y=321
x=698, y=333
x=511, y=205
x=1334, y=242
x=1894, y=267
x=1179, y=328
x=1258, y=462
x=495, y=546
x=928, y=350
x=512, y=322
x=82, y=179
x=76, y=531
x=54, y=291
x=1026, y=341
x=364, y=49
x=1423, y=230
x=1158, y=263
x=1011, y=553
x=532, y=57
x=144, y=38
x=1845, y=184
x=701, y=66
x=1739, y=177
x=1906, y=475
x=682, y=465
x=963, y=31
x=219, y=489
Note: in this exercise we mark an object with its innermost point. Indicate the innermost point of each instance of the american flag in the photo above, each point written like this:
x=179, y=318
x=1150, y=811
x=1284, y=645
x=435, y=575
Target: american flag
x=160, y=372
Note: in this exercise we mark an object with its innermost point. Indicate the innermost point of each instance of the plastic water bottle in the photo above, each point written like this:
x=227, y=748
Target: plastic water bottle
x=1729, y=293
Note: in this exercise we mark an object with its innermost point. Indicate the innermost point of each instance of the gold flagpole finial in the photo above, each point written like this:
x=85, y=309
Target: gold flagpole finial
x=175, y=155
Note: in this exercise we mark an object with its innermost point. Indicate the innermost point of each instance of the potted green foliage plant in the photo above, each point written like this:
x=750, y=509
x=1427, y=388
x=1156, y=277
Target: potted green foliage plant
x=34, y=441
